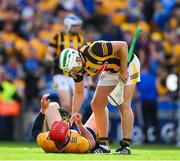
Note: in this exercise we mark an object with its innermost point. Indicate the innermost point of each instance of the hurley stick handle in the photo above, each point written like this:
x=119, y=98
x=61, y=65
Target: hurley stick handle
x=138, y=30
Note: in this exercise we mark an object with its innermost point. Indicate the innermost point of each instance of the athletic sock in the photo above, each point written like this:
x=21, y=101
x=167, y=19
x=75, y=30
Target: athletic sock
x=125, y=142
x=104, y=141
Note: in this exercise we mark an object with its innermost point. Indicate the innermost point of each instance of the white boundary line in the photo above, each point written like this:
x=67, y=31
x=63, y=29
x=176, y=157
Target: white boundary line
x=85, y=160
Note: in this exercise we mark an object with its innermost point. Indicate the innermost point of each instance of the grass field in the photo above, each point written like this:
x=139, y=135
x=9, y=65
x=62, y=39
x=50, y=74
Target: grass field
x=27, y=151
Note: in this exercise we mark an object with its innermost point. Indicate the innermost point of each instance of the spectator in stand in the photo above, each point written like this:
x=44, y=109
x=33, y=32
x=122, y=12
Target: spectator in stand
x=148, y=97
x=9, y=106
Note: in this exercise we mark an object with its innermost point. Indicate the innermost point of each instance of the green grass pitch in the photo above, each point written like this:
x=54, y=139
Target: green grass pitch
x=29, y=151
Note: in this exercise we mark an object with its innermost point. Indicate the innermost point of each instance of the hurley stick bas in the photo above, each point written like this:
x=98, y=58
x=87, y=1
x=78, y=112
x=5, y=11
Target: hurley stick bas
x=116, y=97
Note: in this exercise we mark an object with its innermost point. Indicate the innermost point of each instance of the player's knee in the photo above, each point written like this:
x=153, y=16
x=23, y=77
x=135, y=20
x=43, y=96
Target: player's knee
x=125, y=106
x=53, y=106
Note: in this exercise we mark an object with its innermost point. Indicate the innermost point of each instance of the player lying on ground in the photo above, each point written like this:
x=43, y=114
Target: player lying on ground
x=61, y=139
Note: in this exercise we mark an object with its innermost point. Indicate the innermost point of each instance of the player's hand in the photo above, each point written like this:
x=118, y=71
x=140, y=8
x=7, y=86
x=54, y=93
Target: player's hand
x=123, y=75
x=44, y=103
x=77, y=118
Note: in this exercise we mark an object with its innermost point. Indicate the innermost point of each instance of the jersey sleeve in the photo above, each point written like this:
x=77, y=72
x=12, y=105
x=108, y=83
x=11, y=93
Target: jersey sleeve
x=102, y=48
x=38, y=125
x=54, y=41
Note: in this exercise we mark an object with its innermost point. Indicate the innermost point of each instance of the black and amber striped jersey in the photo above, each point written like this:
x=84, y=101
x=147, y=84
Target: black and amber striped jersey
x=98, y=57
x=62, y=41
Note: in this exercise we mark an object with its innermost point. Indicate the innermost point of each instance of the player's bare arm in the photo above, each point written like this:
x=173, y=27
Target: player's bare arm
x=77, y=118
x=120, y=49
x=38, y=124
x=44, y=103
x=78, y=96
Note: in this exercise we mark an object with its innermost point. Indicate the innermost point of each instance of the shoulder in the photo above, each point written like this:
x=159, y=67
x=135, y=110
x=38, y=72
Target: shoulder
x=42, y=136
x=101, y=47
x=45, y=143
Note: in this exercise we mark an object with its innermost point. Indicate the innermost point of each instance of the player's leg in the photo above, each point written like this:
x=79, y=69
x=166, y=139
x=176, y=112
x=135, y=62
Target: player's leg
x=105, y=85
x=127, y=119
x=91, y=126
x=61, y=84
x=91, y=122
x=126, y=113
x=52, y=114
x=99, y=103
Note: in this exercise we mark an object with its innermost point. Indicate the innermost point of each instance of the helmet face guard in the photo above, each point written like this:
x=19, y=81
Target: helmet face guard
x=68, y=60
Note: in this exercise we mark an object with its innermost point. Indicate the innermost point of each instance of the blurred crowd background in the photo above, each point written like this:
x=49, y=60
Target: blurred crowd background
x=27, y=26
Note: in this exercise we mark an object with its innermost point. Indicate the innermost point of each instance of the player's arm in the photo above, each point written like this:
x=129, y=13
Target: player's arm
x=39, y=121
x=38, y=125
x=120, y=49
x=78, y=96
x=117, y=48
x=77, y=118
